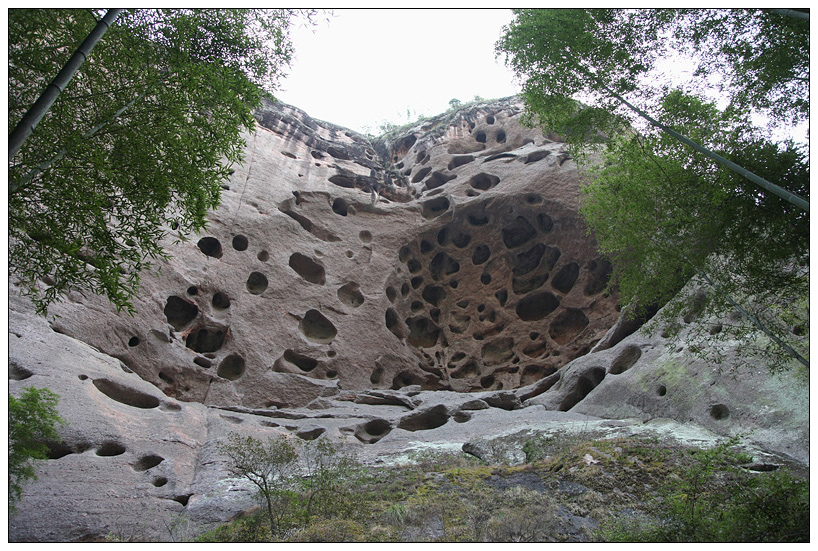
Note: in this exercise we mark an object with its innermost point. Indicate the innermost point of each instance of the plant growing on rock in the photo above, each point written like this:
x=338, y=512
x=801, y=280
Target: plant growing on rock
x=270, y=466
x=33, y=420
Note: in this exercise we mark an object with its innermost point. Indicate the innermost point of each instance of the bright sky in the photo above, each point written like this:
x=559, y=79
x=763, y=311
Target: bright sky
x=366, y=66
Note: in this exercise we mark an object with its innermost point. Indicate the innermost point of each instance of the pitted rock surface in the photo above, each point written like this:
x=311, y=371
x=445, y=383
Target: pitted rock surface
x=432, y=289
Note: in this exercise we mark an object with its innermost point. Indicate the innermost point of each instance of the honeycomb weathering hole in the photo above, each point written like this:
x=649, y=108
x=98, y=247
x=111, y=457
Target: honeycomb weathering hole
x=307, y=268
x=497, y=351
x=147, y=462
x=302, y=362
x=240, y=243
x=519, y=232
x=626, y=359
x=423, y=333
x=443, y=264
x=434, y=294
x=340, y=206
x=126, y=395
x=537, y=306
x=180, y=312
x=317, y=328
x=220, y=301
x=350, y=294
x=206, y=339
x=110, y=449
x=435, y=207
x=719, y=412
x=257, y=283
x=437, y=179
x=431, y=418
x=393, y=322
x=231, y=368
x=483, y=181
x=264, y=256
x=480, y=254
x=566, y=277
x=567, y=325
x=210, y=246
x=372, y=431
x=584, y=385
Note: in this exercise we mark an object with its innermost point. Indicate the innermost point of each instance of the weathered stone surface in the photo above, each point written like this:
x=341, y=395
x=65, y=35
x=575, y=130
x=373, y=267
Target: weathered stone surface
x=421, y=292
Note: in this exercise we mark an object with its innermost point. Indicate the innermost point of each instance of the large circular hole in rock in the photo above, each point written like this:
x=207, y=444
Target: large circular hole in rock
x=133, y=341
x=537, y=306
x=210, y=246
x=365, y=236
x=583, y=386
x=220, y=301
x=519, y=232
x=527, y=261
x=483, y=181
x=497, y=351
x=566, y=277
x=719, y=412
x=317, y=328
x=434, y=294
x=431, y=418
x=307, y=268
x=126, y=395
x=423, y=333
x=231, y=368
x=480, y=254
x=460, y=160
x=601, y=271
x=350, y=294
x=421, y=174
x=372, y=431
x=257, y=283
x=435, y=207
x=626, y=359
x=110, y=449
x=501, y=136
x=240, y=242
x=533, y=373
x=393, y=323
x=180, y=312
x=480, y=136
x=437, y=179
x=340, y=206
x=206, y=339
x=567, y=325
x=302, y=362
x=147, y=462
x=443, y=264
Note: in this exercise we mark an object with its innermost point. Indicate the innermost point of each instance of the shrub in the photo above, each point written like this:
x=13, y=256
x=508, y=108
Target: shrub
x=33, y=420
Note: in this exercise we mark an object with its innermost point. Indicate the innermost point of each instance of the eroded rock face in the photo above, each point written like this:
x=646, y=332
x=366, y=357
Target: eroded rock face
x=428, y=290
x=454, y=249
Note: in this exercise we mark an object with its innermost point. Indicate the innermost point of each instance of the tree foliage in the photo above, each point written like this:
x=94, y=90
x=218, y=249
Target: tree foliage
x=33, y=421
x=135, y=148
x=663, y=212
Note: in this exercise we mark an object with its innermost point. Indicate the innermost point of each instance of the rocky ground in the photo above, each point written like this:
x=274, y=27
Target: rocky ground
x=431, y=290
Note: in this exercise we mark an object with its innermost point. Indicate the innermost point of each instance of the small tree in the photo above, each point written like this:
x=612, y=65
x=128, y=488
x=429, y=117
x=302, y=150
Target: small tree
x=324, y=470
x=270, y=467
x=454, y=103
x=33, y=420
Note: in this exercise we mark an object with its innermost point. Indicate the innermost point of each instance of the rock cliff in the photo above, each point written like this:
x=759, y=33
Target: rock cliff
x=426, y=288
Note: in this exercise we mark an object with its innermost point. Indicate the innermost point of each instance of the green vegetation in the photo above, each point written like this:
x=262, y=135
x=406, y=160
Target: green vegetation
x=33, y=421
x=137, y=145
x=663, y=212
x=572, y=487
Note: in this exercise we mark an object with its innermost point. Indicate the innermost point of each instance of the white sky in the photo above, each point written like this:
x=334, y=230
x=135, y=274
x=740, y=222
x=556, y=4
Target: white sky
x=366, y=66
